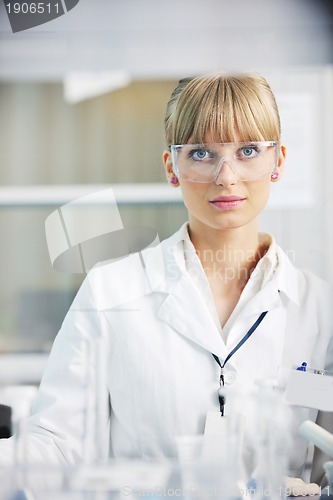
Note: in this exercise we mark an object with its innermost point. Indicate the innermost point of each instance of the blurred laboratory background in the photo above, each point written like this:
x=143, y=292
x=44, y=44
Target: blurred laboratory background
x=82, y=102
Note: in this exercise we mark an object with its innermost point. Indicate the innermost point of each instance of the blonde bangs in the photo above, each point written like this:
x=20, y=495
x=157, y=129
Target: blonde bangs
x=224, y=109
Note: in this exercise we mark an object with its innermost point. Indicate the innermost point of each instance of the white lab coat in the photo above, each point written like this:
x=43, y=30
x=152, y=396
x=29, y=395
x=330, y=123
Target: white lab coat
x=157, y=375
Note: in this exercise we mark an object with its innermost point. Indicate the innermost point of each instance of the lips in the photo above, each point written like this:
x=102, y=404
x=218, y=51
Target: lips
x=227, y=199
x=227, y=202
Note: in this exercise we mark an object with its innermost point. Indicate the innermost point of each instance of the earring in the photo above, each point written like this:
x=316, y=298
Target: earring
x=274, y=175
x=174, y=180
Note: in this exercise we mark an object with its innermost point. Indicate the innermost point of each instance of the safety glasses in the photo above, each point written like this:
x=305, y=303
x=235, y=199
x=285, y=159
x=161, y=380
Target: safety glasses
x=249, y=161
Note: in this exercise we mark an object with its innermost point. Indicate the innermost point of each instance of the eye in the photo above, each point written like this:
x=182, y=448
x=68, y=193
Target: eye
x=200, y=154
x=248, y=152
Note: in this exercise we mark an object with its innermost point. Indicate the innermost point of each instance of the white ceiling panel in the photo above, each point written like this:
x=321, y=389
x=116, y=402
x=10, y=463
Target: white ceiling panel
x=166, y=39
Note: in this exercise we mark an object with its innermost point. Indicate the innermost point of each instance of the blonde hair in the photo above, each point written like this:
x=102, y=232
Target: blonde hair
x=227, y=108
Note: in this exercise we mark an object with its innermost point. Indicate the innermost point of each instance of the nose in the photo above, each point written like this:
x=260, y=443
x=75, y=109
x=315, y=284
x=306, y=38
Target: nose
x=225, y=174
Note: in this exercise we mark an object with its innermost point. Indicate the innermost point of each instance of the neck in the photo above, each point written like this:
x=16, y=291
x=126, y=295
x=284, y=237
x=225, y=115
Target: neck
x=228, y=255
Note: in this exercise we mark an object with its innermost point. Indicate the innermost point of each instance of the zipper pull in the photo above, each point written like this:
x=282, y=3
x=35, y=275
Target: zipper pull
x=222, y=404
x=222, y=377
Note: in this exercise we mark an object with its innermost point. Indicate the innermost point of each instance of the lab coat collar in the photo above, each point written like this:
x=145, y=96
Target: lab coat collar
x=163, y=269
x=279, y=280
x=185, y=310
x=183, y=295
x=284, y=283
x=289, y=279
x=277, y=271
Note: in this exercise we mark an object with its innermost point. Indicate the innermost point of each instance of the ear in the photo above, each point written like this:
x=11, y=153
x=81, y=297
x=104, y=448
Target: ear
x=168, y=166
x=282, y=153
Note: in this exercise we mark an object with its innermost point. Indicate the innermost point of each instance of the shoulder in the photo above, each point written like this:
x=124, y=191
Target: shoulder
x=112, y=283
x=303, y=284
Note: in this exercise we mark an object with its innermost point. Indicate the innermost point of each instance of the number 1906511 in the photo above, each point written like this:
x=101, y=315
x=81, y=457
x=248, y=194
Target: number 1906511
x=32, y=8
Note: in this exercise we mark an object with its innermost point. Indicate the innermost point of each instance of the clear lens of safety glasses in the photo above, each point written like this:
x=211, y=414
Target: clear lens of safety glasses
x=203, y=162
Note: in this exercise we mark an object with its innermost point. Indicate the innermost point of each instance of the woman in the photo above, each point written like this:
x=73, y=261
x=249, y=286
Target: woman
x=163, y=320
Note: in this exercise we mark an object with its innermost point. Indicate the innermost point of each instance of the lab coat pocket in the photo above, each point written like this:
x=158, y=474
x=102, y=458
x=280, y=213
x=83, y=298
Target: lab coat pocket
x=312, y=389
